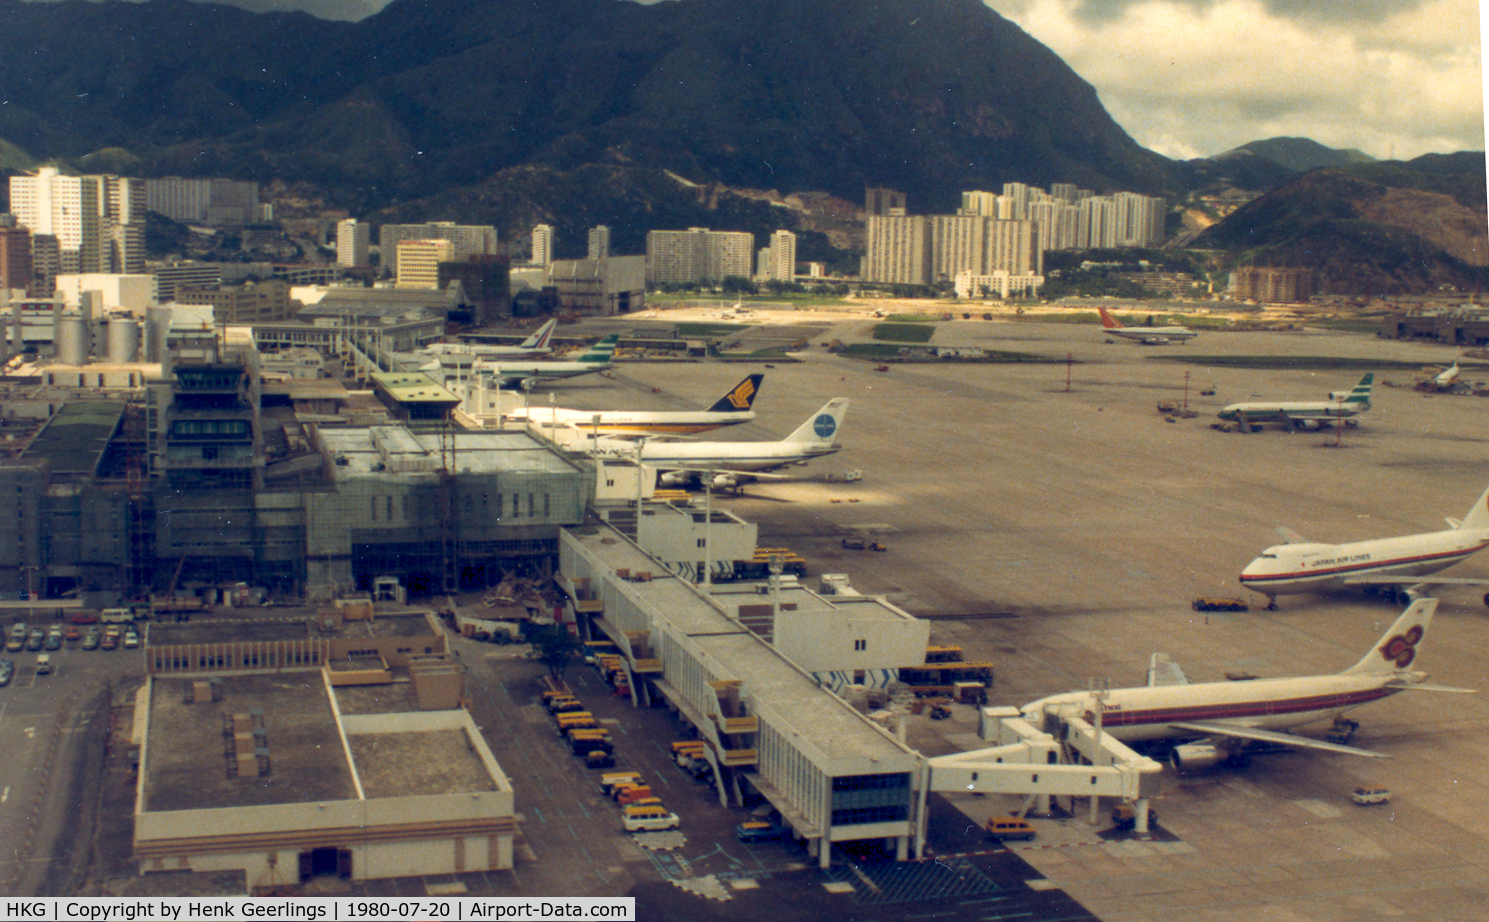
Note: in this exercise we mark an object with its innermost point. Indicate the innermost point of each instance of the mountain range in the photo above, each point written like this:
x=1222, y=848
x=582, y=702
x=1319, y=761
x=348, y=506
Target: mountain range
x=578, y=112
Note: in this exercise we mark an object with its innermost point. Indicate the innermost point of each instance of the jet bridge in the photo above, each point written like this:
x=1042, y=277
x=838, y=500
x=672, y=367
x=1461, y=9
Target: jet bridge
x=1069, y=757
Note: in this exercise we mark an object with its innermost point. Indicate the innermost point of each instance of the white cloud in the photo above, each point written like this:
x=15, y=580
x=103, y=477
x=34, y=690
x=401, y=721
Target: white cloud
x=1197, y=77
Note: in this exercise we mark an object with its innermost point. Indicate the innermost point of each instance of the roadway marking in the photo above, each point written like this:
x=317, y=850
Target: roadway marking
x=5, y=795
x=30, y=733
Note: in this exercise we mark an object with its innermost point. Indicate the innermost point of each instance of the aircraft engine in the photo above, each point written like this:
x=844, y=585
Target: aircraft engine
x=1196, y=757
x=1309, y=424
x=724, y=482
x=674, y=479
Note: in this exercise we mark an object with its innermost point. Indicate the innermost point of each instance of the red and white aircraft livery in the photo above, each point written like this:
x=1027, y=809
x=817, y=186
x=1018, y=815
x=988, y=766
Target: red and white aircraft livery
x=1304, y=566
x=1148, y=336
x=1223, y=717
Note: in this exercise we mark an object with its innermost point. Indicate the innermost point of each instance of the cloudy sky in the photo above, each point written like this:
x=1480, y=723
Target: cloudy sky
x=1191, y=78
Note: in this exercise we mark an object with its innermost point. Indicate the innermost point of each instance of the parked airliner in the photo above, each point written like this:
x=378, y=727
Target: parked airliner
x=1222, y=718
x=1305, y=414
x=539, y=343
x=733, y=463
x=729, y=410
x=1148, y=336
x=1304, y=566
x=513, y=373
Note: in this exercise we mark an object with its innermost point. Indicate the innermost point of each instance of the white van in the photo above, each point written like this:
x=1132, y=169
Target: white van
x=43, y=664
x=648, y=818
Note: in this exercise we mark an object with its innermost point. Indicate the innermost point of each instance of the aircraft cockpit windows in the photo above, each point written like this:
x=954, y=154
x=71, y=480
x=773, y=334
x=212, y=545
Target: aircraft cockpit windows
x=1269, y=557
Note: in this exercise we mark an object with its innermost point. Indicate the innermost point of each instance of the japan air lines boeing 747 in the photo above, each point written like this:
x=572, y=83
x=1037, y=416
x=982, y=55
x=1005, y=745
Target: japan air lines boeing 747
x=1404, y=561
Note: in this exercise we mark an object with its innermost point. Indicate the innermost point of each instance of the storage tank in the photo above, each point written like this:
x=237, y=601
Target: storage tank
x=124, y=339
x=72, y=339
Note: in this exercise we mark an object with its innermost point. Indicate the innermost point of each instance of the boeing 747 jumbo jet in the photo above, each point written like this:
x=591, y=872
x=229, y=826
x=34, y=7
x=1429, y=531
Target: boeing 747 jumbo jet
x=1222, y=718
x=733, y=463
x=1404, y=561
x=539, y=343
x=1305, y=414
x=730, y=410
x=1148, y=336
x=508, y=374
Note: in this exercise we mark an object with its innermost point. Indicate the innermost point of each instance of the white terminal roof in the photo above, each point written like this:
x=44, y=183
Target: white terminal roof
x=509, y=451
x=785, y=697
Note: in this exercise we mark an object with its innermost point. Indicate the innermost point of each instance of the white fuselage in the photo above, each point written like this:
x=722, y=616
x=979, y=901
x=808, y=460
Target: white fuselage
x=661, y=422
x=1153, y=334
x=516, y=371
x=1307, y=567
x=1292, y=410
x=1149, y=713
x=724, y=456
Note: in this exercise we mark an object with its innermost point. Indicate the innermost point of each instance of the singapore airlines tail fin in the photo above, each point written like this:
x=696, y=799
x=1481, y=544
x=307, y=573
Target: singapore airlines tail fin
x=823, y=425
x=740, y=398
x=1397, y=648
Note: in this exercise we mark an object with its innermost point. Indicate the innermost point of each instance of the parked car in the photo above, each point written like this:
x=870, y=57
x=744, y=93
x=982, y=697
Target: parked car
x=73, y=632
x=762, y=831
x=35, y=640
x=7, y=669
x=131, y=640
x=90, y=640
x=1371, y=794
x=53, y=642
x=110, y=642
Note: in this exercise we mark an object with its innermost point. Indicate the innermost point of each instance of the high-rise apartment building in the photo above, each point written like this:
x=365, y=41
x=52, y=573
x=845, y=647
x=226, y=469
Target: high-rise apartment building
x=223, y=202
x=883, y=202
x=15, y=256
x=779, y=263
x=99, y=221
x=898, y=250
x=542, y=245
x=698, y=255
x=599, y=242
x=353, y=243
x=467, y=240
x=418, y=262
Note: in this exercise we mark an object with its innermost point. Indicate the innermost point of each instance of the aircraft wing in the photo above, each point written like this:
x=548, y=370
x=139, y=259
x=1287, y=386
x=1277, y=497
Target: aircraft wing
x=1164, y=671
x=1424, y=582
x=1289, y=536
x=1236, y=731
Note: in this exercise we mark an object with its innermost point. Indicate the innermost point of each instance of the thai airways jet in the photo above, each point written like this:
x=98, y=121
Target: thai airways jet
x=1305, y=414
x=733, y=463
x=1222, y=718
x=1148, y=336
x=729, y=410
x=1404, y=561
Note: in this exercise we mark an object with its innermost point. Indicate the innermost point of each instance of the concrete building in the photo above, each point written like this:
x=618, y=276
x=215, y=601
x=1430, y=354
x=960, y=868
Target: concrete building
x=600, y=287
x=290, y=754
x=698, y=255
x=1271, y=285
x=485, y=282
x=15, y=256
x=768, y=723
x=778, y=261
x=99, y=221
x=214, y=202
x=898, y=250
x=599, y=242
x=881, y=201
x=353, y=243
x=1001, y=282
x=467, y=240
x=542, y=245
x=132, y=293
x=266, y=301
x=418, y=262
x=177, y=274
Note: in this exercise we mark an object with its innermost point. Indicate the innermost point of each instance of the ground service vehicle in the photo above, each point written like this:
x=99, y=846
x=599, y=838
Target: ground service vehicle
x=1009, y=827
x=655, y=818
x=631, y=793
x=1371, y=794
x=1208, y=604
x=599, y=758
x=1124, y=816
x=610, y=780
